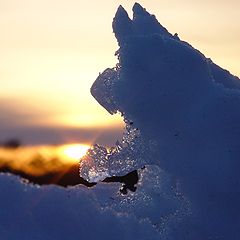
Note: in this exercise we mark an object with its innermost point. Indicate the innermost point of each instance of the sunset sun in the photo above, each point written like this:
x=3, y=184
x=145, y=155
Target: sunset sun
x=74, y=152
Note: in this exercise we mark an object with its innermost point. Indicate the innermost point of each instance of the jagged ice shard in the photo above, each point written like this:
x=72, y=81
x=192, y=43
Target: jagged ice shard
x=182, y=124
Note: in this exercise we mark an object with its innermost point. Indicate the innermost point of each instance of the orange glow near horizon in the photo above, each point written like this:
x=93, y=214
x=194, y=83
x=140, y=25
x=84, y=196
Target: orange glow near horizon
x=42, y=159
x=73, y=152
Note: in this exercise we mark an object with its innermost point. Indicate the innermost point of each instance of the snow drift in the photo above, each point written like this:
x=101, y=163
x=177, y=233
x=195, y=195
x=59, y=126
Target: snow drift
x=182, y=115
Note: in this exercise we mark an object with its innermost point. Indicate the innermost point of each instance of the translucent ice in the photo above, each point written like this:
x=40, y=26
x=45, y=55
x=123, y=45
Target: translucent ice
x=129, y=154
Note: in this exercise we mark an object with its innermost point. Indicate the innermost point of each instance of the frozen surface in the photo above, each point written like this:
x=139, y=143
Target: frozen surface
x=50, y=213
x=182, y=117
x=182, y=135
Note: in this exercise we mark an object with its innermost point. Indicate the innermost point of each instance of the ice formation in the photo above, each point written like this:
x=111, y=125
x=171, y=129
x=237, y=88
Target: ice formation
x=182, y=122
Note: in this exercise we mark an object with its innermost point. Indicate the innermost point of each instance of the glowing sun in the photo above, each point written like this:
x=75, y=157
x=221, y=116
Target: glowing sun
x=74, y=151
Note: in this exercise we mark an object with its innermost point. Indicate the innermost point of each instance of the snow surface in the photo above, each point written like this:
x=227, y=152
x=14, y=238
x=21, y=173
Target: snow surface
x=182, y=134
x=50, y=213
x=182, y=115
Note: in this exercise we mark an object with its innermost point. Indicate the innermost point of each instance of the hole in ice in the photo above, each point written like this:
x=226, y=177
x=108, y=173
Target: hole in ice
x=128, y=181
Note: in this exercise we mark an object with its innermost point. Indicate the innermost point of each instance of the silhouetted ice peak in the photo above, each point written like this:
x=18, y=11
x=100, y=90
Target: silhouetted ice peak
x=139, y=11
x=122, y=25
x=143, y=23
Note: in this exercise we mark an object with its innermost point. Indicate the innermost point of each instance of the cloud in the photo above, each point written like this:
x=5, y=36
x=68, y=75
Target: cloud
x=17, y=120
x=10, y=114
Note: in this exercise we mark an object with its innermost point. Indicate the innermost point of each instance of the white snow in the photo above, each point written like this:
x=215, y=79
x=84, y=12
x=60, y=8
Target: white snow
x=50, y=213
x=184, y=110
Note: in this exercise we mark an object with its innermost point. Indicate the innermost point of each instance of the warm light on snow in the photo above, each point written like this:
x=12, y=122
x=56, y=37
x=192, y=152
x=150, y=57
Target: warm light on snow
x=74, y=151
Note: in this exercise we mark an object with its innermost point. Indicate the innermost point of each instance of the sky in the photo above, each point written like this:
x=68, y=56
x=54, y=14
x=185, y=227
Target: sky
x=51, y=51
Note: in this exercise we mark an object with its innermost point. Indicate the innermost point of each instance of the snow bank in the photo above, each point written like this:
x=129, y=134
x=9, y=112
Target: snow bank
x=182, y=116
x=50, y=213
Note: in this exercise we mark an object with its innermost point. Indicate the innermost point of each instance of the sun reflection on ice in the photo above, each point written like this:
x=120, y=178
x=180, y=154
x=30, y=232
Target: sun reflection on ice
x=74, y=152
